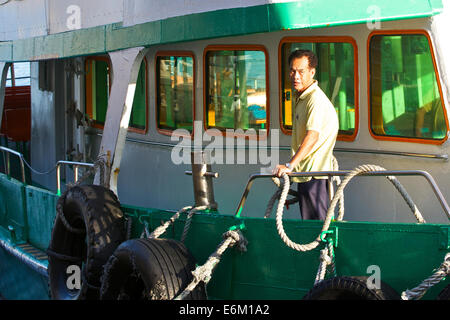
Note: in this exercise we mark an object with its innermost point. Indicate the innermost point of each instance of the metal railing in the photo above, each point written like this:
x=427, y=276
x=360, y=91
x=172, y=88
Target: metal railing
x=6, y=152
x=330, y=174
x=75, y=165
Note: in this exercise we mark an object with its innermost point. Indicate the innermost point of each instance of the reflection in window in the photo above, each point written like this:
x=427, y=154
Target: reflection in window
x=236, y=89
x=175, y=92
x=335, y=75
x=405, y=98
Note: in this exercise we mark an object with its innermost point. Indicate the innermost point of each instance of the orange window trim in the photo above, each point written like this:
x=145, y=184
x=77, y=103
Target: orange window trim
x=322, y=39
x=88, y=93
x=232, y=47
x=404, y=139
x=190, y=54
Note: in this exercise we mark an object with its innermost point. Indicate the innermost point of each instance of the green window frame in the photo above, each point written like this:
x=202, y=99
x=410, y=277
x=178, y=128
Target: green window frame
x=405, y=94
x=337, y=76
x=175, y=91
x=236, y=88
x=97, y=88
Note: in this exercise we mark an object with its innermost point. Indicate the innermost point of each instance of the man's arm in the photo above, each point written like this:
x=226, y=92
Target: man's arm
x=308, y=143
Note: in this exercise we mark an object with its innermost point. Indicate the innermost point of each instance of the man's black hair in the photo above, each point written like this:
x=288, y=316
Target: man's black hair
x=312, y=58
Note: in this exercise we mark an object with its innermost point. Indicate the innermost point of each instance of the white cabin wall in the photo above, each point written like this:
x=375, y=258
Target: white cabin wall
x=32, y=18
x=23, y=19
x=91, y=13
x=140, y=11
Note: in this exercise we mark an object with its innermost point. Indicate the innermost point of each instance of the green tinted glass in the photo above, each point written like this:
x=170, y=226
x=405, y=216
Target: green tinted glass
x=97, y=78
x=175, y=92
x=236, y=89
x=99, y=71
x=335, y=74
x=139, y=110
x=405, y=98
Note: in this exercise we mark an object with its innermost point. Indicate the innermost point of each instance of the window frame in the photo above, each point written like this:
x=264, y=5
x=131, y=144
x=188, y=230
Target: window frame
x=235, y=47
x=173, y=53
x=321, y=39
x=101, y=126
x=401, y=32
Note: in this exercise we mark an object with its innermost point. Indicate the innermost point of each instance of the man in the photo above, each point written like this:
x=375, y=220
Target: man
x=314, y=130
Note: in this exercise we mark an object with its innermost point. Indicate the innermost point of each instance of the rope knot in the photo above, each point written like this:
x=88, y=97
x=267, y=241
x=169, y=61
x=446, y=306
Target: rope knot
x=325, y=257
x=237, y=237
x=202, y=273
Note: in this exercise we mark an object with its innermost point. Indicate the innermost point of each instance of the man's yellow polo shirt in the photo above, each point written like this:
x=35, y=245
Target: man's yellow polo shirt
x=314, y=111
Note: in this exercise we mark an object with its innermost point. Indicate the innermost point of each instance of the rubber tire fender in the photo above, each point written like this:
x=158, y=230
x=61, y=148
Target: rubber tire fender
x=149, y=269
x=96, y=210
x=350, y=288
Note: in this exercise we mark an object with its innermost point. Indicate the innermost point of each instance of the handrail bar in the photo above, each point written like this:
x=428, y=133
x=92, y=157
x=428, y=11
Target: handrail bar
x=330, y=174
x=75, y=164
x=7, y=164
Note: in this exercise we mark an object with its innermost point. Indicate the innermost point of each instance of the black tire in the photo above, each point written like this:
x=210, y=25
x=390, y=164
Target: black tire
x=444, y=294
x=89, y=226
x=149, y=269
x=350, y=288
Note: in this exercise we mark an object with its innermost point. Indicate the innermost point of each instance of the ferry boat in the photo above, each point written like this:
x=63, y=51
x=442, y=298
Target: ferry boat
x=138, y=140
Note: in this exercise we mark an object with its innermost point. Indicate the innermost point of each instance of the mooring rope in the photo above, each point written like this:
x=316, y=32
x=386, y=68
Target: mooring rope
x=163, y=228
x=204, y=272
x=330, y=213
x=419, y=291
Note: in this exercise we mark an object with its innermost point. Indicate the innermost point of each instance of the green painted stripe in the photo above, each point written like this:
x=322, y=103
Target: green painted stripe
x=214, y=24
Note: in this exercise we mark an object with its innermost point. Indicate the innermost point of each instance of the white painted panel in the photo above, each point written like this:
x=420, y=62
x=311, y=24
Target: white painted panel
x=140, y=11
x=22, y=19
x=64, y=14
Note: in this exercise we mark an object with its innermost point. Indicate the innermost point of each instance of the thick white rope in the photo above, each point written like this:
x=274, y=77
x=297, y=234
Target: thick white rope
x=326, y=262
x=330, y=213
x=419, y=291
x=204, y=272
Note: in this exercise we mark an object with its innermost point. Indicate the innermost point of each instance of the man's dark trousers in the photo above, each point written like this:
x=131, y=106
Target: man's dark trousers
x=313, y=199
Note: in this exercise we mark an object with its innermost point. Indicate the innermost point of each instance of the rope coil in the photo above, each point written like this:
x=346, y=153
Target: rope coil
x=330, y=213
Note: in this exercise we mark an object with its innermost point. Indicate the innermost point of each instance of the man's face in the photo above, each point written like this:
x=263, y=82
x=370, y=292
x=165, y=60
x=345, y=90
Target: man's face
x=300, y=74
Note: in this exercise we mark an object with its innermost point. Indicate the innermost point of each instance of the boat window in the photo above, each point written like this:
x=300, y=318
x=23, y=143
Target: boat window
x=138, y=117
x=18, y=74
x=174, y=91
x=97, y=88
x=406, y=100
x=336, y=74
x=236, y=88
x=98, y=84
